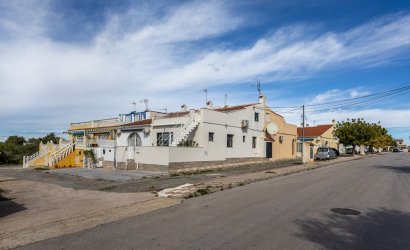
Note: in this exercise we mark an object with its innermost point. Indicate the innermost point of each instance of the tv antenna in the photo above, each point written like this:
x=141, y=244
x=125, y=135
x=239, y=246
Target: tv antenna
x=145, y=100
x=257, y=84
x=135, y=105
x=206, y=95
x=226, y=98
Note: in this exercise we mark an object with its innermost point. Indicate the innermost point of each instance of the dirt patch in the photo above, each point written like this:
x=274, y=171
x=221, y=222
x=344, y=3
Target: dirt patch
x=39, y=210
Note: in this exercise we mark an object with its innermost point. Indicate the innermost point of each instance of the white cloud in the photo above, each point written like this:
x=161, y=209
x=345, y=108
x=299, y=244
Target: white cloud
x=142, y=54
x=335, y=95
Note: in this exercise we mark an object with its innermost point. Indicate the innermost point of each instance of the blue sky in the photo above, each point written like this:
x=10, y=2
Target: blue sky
x=67, y=61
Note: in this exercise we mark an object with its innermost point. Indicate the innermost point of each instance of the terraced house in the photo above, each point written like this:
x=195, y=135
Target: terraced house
x=183, y=140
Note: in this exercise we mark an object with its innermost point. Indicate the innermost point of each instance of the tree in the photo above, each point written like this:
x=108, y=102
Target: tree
x=50, y=137
x=15, y=147
x=15, y=140
x=358, y=132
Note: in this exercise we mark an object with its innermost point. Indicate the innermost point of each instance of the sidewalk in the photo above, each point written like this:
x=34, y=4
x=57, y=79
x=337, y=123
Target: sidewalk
x=222, y=182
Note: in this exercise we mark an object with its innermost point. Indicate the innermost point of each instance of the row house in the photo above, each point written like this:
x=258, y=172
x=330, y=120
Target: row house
x=187, y=139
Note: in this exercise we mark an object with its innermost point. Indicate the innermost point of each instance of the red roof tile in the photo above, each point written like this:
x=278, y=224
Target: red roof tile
x=142, y=122
x=314, y=131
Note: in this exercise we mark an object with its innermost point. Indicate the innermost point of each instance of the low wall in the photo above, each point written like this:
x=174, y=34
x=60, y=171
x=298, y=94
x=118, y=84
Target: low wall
x=204, y=165
x=190, y=154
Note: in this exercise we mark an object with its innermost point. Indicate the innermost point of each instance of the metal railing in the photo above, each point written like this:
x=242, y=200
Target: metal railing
x=182, y=130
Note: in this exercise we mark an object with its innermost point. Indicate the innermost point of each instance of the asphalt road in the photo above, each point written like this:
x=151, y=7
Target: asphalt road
x=290, y=212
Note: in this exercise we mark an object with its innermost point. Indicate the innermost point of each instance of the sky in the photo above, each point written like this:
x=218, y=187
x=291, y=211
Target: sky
x=77, y=60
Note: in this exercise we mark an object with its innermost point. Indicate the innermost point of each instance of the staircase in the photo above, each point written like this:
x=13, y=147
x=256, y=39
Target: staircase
x=28, y=160
x=60, y=154
x=187, y=128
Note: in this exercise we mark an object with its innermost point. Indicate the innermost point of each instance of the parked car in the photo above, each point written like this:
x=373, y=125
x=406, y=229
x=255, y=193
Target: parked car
x=396, y=150
x=325, y=153
x=336, y=151
x=349, y=151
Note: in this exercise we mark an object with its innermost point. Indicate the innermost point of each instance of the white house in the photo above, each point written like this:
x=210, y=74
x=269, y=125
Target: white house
x=181, y=140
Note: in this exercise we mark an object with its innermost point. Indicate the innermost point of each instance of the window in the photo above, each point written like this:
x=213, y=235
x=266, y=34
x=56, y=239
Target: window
x=211, y=136
x=103, y=137
x=134, y=140
x=256, y=117
x=243, y=138
x=164, y=139
x=229, y=141
x=104, y=151
x=299, y=147
x=254, y=142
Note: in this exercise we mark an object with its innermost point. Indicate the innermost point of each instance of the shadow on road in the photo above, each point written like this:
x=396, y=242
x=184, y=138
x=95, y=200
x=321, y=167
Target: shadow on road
x=376, y=229
x=397, y=169
x=7, y=206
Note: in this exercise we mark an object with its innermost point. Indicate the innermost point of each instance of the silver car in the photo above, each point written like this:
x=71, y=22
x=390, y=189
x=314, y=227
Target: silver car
x=325, y=153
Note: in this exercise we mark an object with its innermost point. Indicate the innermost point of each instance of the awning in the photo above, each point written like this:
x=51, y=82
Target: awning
x=77, y=132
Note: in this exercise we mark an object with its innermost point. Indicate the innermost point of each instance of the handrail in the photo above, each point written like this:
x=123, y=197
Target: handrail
x=61, y=153
x=35, y=156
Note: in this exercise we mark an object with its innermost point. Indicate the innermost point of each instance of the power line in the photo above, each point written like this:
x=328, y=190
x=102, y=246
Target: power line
x=352, y=101
x=404, y=88
x=350, y=104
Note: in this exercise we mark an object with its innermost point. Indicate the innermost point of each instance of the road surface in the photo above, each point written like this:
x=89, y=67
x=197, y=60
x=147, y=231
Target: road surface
x=289, y=212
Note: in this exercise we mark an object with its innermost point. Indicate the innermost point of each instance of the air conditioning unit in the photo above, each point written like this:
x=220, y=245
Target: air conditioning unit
x=245, y=123
x=281, y=139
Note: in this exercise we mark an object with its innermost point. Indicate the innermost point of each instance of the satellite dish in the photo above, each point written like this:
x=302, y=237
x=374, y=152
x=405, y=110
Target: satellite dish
x=272, y=128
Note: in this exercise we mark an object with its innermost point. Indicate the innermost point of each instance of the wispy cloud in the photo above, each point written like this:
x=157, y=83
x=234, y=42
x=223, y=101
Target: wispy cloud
x=334, y=95
x=166, y=57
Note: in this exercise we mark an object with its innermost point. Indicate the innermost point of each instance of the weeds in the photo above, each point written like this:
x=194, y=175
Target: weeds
x=41, y=168
x=203, y=191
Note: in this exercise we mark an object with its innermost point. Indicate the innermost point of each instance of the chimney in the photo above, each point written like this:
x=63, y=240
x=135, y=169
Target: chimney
x=262, y=100
x=184, y=108
x=209, y=105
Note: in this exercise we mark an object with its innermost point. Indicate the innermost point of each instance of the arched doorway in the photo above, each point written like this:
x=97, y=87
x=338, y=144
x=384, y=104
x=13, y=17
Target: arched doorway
x=134, y=140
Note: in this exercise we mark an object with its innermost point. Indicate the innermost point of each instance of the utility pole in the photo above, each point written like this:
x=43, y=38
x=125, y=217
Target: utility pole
x=303, y=131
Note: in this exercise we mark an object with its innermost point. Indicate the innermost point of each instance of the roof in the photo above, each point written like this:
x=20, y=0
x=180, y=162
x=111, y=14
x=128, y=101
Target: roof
x=142, y=122
x=88, y=128
x=315, y=131
x=175, y=114
x=233, y=108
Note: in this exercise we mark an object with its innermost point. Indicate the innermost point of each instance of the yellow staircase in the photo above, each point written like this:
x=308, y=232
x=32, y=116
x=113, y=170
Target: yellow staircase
x=72, y=160
x=55, y=156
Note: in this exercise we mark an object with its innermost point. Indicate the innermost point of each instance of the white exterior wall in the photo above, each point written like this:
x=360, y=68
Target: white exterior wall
x=220, y=123
x=172, y=125
x=223, y=124
x=123, y=138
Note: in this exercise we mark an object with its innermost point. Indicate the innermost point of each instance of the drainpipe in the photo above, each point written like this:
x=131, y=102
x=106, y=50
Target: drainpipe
x=115, y=152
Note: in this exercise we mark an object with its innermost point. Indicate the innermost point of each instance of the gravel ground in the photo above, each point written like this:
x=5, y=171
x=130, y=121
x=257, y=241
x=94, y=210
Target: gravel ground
x=129, y=181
